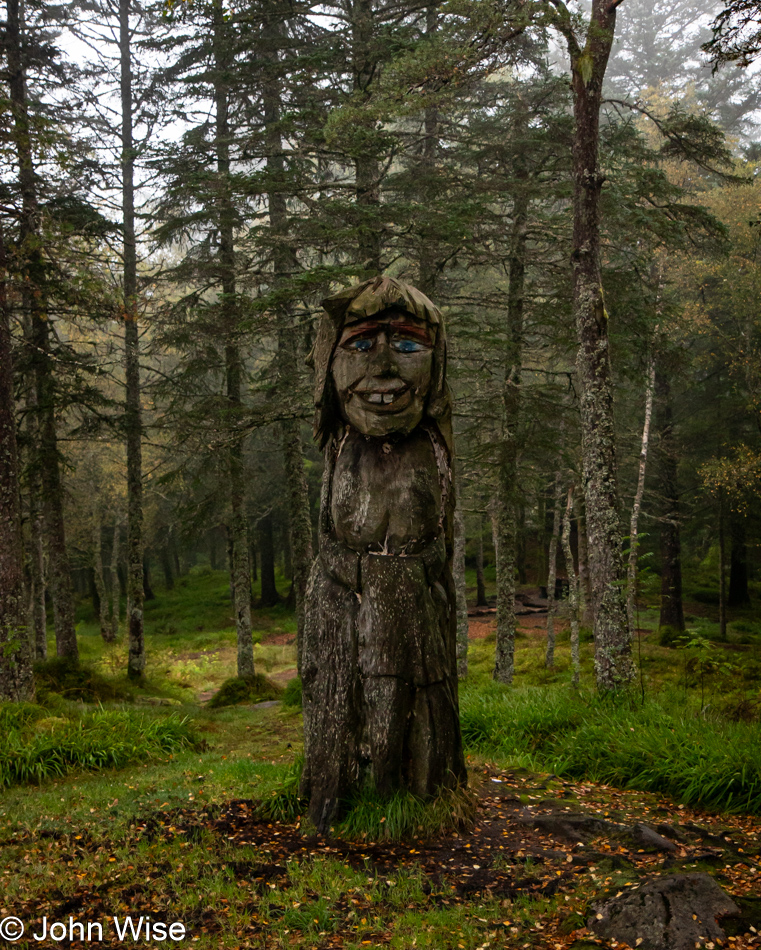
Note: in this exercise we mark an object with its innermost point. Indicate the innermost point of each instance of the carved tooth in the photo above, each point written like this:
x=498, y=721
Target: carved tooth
x=388, y=397
x=374, y=397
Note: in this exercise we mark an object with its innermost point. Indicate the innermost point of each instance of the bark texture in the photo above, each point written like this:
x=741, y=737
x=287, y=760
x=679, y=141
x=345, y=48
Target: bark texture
x=16, y=680
x=613, y=660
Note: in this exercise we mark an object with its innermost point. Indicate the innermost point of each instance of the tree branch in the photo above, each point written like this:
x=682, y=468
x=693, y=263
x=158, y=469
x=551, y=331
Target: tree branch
x=613, y=4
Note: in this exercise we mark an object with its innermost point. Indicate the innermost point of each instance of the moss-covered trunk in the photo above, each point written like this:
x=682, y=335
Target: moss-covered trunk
x=613, y=661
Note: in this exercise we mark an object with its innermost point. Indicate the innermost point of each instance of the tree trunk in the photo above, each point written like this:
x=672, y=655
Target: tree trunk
x=37, y=608
x=284, y=266
x=166, y=566
x=722, y=572
x=104, y=619
x=34, y=282
x=507, y=472
x=366, y=171
x=147, y=589
x=738, y=595
x=16, y=680
x=552, y=561
x=613, y=646
x=240, y=575
x=116, y=587
x=672, y=611
x=458, y=571
x=133, y=411
x=631, y=589
x=585, y=584
x=252, y=555
x=481, y=600
x=573, y=588
x=270, y=596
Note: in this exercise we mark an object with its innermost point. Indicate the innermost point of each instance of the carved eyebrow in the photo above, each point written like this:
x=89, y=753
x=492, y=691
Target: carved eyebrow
x=369, y=329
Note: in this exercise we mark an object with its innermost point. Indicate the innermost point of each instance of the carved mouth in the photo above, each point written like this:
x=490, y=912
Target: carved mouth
x=385, y=399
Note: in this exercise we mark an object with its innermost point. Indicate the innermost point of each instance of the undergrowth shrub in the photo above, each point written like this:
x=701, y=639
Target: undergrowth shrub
x=36, y=746
x=292, y=695
x=620, y=742
x=77, y=681
x=237, y=690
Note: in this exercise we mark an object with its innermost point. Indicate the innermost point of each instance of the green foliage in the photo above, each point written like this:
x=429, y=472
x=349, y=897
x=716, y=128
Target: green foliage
x=670, y=636
x=77, y=681
x=650, y=747
x=35, y=746
x=284, y=803
x=293, y=693
x=404, y=816
x=238, y=690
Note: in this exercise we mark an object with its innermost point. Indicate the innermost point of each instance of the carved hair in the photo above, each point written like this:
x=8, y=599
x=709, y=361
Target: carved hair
x=365, y=301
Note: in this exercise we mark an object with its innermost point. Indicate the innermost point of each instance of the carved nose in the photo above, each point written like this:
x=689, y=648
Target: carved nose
x=382, y=363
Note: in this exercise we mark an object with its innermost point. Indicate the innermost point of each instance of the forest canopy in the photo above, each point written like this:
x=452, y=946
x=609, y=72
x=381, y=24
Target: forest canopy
x=184, y=182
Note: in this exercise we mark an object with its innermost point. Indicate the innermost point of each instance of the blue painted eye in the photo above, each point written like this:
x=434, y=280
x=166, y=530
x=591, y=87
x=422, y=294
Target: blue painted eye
x=363, y=344
x=407, y=346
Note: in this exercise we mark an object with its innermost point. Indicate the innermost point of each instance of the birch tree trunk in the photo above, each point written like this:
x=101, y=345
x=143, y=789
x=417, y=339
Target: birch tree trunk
x=239, y=573
x=573, y=588
x=613, y=646
x=458, y=572
x=552, y=565
x=631, y=589
x=672, y=609
x=16, y=680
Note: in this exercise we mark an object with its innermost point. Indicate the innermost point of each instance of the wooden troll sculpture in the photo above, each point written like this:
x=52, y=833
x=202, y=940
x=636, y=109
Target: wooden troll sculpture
x=378, y=654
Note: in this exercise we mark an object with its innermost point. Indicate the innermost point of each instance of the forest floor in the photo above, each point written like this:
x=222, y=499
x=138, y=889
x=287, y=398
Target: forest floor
x=176, y=839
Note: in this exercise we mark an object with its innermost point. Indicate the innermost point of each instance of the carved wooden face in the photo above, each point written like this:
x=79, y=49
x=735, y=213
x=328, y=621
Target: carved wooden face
x=381, y=370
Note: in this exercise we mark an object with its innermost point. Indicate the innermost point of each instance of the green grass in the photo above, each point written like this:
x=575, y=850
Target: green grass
x=652, y=746
x=36, y=746
x=403, y=817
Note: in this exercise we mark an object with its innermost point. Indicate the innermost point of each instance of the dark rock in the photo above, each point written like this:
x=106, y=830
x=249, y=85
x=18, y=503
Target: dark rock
x=646, y=838
x=669, y=913
x=573, y=827
x=669, y=831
